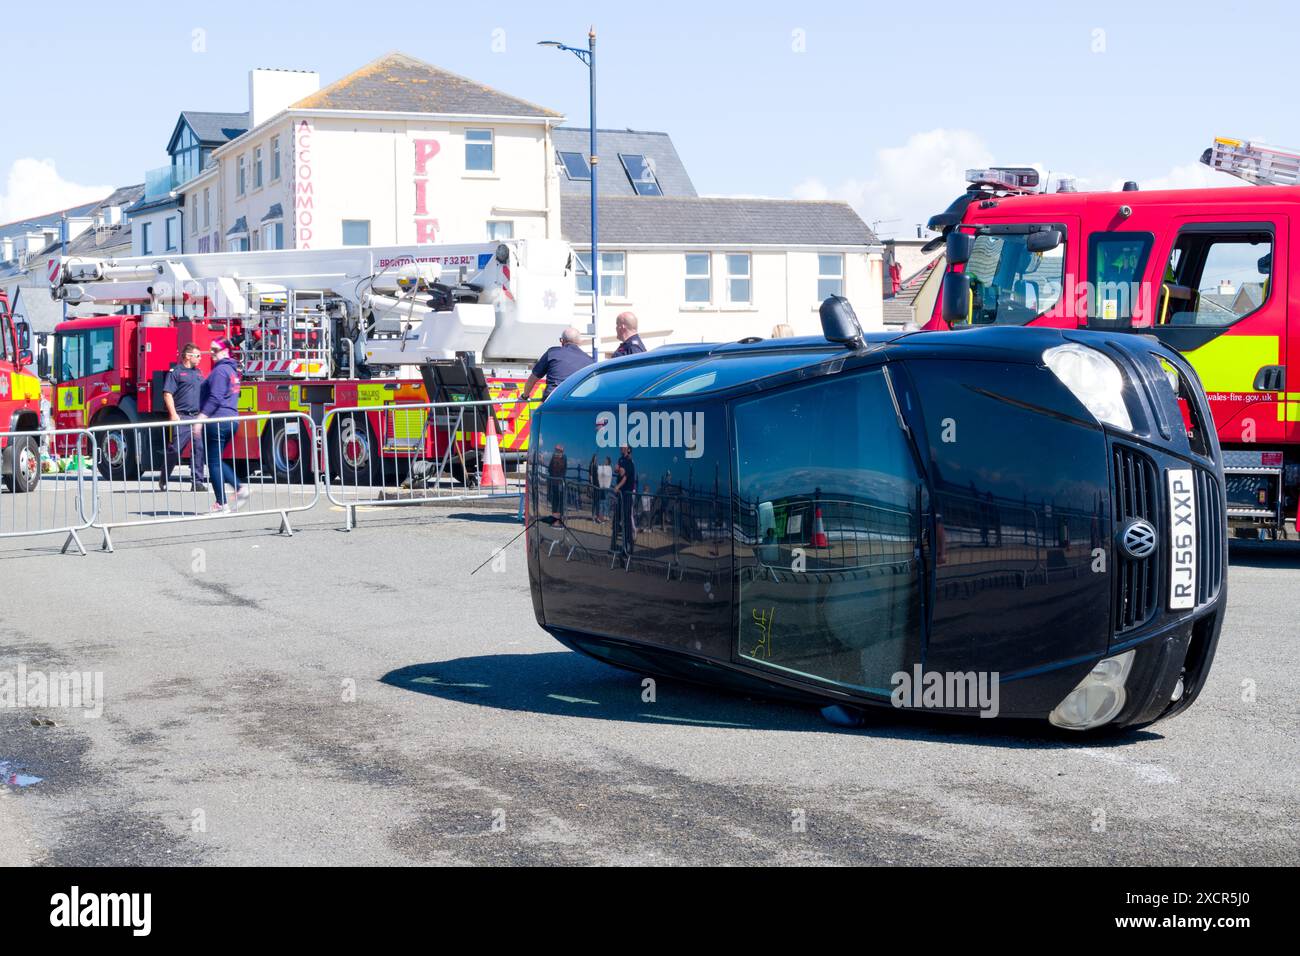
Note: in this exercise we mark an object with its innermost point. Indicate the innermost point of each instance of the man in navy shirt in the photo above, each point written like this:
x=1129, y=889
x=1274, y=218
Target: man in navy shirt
x=629, y=343
x=181, y=390
x=559, y=362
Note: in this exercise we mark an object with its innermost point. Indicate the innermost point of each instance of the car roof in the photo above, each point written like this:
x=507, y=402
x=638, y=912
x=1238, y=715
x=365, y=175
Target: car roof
x=716, y=369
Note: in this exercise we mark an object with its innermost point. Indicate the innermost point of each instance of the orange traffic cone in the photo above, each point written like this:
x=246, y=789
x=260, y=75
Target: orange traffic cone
x=819, y=539
x=494, y=475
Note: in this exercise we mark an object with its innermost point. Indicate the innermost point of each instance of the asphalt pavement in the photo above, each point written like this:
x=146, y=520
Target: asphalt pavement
x=361, y=698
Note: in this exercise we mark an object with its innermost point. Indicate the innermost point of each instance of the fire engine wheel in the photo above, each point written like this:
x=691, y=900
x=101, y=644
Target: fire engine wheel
x=22, y=464
x=352, y=452
x=125, y=454
x=286, y=454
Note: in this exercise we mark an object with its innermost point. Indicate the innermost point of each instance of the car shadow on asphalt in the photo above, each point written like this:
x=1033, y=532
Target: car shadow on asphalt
x=565, y=684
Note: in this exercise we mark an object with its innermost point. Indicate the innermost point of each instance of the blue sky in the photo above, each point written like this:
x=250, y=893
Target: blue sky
x=883, y=104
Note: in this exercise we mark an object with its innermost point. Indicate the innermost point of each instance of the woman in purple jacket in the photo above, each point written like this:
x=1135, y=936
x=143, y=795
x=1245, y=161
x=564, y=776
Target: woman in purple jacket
x=220, y=399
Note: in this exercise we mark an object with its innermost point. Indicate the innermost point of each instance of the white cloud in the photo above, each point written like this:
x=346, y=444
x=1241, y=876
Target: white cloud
x=912, y=182
x=1186, y=176
x=34, y=187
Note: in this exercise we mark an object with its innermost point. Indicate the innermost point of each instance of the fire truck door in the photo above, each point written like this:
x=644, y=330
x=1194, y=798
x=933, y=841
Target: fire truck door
x=1222, y=301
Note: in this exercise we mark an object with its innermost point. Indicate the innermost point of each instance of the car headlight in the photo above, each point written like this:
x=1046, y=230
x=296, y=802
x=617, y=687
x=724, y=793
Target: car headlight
x=1097, y=698
x=1094, y=379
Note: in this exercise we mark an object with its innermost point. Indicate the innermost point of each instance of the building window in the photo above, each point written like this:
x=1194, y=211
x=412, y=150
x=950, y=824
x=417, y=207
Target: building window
x=500, y=229
x=830, y=276
x=575, y=167
x=241, y=182
x=186, y=161
x=207, y=208
x=238, y=244
x=641, y=172
x=739, y=289
x=145, y=229
x=699, y=285
x=273, y=235
x=275, y=158
x=169, y=233
x=257, y=168
x=194, y=215
x=356, y=232
x=613, y=274
x=478, y=151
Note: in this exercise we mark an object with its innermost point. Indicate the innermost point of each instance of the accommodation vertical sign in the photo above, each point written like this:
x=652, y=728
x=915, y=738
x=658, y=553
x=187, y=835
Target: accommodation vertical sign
x=304, y=208
x=426, y=227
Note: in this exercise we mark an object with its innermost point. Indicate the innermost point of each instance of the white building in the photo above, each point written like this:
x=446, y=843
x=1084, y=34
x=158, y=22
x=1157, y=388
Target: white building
x=401, y=152
x=705, y=268
x=396, y=153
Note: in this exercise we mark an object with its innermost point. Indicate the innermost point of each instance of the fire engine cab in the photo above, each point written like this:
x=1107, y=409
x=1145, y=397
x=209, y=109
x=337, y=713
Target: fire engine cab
x=20, y=402
x=1206, y=271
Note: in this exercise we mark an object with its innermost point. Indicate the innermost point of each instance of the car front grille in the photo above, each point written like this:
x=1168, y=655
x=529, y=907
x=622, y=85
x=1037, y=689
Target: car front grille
x=1137, y=495
x=1209, y=538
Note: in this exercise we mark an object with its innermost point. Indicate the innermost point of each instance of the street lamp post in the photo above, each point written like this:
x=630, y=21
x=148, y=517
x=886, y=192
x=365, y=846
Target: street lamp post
x=588, y=56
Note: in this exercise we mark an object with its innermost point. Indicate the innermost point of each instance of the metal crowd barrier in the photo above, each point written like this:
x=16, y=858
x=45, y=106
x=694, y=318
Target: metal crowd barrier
x=272, y=455
x=401, y=455
x=673, y=531
x=33, y=502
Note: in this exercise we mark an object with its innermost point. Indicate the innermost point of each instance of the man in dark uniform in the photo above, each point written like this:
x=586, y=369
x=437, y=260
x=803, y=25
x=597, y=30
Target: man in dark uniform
x=559, y=362
x=181, y=396
x=629, y=343
x=624, y=499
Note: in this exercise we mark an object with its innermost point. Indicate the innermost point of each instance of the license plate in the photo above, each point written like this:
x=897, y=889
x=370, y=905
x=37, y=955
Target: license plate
x=1182, y=538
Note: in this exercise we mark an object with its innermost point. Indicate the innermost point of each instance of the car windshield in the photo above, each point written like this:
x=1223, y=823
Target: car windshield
x=1011, y=285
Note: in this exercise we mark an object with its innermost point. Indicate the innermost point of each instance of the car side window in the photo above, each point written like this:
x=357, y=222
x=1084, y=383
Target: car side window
x=1217, y=275
x=827, y=532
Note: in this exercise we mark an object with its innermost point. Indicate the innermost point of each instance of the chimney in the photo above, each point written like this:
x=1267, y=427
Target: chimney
x=1226, y=287
x=270, y=91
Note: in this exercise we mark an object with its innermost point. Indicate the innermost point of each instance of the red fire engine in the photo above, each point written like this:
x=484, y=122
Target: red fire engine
x=1207, y=271
x=20, y=402
x=315, y=330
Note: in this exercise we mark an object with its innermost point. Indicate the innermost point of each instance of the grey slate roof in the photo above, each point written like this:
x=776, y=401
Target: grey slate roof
x=240, y=227
x=611, y=177
x=34, y=223
x=275, y=212
x=708, y=221
x=113, y=238
x=398, y=83
x=212, y=129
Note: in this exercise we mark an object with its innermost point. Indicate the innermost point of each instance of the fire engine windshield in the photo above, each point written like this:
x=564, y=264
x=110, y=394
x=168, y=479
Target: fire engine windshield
x=1012, y=285
x=82, y=353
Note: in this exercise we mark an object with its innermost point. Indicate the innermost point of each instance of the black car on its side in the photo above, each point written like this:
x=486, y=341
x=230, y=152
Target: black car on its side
x=926, y=520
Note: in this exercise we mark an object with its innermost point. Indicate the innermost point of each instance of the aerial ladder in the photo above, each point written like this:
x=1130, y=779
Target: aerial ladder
x=354, y=311
x=1255, y=163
